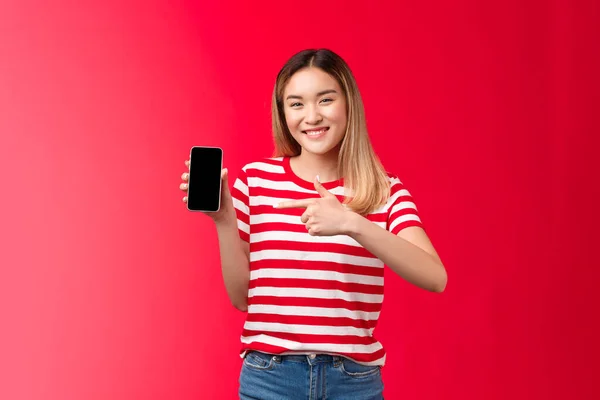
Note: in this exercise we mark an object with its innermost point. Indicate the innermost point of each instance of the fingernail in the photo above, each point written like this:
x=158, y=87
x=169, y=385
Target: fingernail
x=275, y=205
x=318, y=180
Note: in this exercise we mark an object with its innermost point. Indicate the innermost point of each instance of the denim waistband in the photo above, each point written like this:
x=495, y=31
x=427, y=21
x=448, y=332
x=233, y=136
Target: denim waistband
x=309, y=358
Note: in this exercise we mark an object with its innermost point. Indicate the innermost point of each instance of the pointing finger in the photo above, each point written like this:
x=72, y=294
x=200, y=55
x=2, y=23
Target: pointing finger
x=294, y=204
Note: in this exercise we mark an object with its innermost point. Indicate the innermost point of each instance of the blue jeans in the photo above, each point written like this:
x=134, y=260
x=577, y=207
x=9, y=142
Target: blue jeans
x=314, y=377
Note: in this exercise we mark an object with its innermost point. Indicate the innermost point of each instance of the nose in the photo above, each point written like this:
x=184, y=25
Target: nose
x=313, y=116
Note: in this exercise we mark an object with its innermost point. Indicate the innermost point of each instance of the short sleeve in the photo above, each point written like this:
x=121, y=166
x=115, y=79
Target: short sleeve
x=241, y=203
x=402, y=211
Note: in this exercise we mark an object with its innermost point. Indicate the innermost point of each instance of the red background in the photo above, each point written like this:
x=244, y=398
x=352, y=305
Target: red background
x=110, y=289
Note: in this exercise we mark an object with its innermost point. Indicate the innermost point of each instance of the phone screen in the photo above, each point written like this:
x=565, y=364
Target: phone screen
x=204, y=183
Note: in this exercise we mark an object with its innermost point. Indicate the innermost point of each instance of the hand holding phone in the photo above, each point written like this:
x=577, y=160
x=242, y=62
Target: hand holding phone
x=206, y=183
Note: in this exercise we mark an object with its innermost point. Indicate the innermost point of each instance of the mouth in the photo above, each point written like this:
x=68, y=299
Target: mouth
x=316, y=132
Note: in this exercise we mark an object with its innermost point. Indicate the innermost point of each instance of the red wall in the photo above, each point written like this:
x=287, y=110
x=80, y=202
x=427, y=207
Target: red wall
x=110, y=289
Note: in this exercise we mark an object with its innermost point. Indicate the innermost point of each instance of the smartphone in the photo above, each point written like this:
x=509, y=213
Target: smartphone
x=204, y=181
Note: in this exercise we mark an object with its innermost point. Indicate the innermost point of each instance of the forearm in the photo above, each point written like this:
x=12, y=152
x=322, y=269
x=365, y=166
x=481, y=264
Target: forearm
x=234, y=262
x=409, y=261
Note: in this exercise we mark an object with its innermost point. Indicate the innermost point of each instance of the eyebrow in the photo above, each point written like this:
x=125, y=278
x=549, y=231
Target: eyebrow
x=293, y=96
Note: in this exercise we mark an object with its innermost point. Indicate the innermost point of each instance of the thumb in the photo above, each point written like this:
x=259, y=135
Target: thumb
x=320, y=189
x=224, y=180
x=224, y=175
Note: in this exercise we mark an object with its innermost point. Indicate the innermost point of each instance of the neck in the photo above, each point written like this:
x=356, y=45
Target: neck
x=308, y=165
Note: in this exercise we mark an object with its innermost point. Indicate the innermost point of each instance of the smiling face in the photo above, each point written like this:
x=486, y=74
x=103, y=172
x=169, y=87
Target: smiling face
x=315, y=111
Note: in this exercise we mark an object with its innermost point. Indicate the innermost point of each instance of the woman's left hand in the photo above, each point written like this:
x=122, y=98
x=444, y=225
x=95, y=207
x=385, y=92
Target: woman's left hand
x=324, y=216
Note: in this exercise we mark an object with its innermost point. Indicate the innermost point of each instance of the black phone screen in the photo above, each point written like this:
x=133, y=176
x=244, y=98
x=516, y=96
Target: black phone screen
x=204, y=183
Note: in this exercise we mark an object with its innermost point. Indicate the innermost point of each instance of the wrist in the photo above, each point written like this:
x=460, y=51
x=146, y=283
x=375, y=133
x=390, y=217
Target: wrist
x=351, y=225
x=225, y=220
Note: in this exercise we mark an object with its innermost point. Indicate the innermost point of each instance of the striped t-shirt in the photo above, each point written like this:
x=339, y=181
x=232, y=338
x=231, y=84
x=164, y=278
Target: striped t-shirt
x=310, y=294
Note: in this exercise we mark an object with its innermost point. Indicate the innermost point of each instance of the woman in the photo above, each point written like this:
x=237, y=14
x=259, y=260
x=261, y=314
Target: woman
x=304, y=237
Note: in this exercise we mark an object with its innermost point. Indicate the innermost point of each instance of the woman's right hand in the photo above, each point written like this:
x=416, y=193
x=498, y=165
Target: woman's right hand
x=226, y=208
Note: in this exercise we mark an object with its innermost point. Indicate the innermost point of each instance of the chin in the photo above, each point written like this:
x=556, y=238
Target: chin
x=319, y=151
x=318, y=148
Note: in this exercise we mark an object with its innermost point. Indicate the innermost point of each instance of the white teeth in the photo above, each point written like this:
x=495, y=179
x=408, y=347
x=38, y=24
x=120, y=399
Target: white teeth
x=315, y=133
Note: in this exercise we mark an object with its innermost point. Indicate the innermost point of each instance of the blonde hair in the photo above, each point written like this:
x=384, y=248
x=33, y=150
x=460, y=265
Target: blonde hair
x=358, y=164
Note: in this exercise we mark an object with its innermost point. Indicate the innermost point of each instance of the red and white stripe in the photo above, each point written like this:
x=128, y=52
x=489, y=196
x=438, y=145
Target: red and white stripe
x=310, y=294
